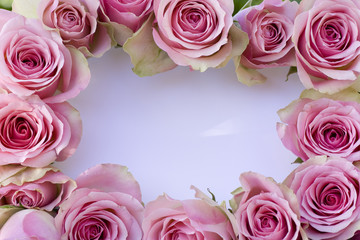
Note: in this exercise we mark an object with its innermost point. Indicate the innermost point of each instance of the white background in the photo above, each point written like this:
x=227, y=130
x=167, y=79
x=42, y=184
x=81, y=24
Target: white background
x=182, y=127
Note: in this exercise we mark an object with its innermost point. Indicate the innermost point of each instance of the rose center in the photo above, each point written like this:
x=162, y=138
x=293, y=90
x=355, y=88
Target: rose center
x=29, y=59
x=270, y=31
x=92, y=228
x=193, y=19
x=19, y=133
x=32, y=199
x=331, y=199
x=334, y=34
x=68, y=17
x=267, y=222
x=332, y=136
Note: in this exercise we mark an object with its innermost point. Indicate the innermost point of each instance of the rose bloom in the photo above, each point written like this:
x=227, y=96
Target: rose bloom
x=35, y=61
x=29, y=224
x=328, y=193
x=317, y=125
x=195, y=219
x=43, y=188
x=327, y=44
x=266, y=210
x=35, y=134
x=106, y=205
x=126, y=17
x=199, y=34
x=77, y=24
x=270, y=27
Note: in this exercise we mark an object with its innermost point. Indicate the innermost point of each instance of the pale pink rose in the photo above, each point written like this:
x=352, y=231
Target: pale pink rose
x=76, y=21
x=106, y=205
x=195, y=219
x=322, y=126
x=270, y=26
x=266, y=210
x=35, y=134
x=195, y=33
x=29, y=224
x=43, y=188
x=327, y=44
x=35, y=61
x=328, y=192
x=125, y=17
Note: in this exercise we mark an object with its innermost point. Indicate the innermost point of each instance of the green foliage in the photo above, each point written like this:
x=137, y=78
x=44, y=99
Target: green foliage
x=212, y=195
x=6, y=4
x=298, y=160
x=291, y=71
x=242, y=4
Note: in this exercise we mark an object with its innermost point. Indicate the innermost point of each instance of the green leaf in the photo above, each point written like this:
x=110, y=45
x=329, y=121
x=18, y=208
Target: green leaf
x=291, y=71
x=242, y=4
x=298, y=1
x=298, y=160
x=6, y=4
x=212, y=195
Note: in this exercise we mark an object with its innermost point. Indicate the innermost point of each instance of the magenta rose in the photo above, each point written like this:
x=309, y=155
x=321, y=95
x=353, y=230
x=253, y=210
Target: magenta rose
x=321, y=126
x=35, y=61
x=126, y=17
x=76, y=21
x=29, y=224
x=328, y=193
x=266, y=210
x=106, y=205
x=327, y=44
x=43, y=188
x=196, y=33
x=195, y=219
x=35, y=134
x=270, y=27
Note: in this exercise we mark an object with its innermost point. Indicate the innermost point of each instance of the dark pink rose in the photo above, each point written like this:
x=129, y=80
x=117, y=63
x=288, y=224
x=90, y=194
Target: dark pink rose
x=35, y=134
x=327, y=44
x=356, y=236
x=270, y=27
x=76, y=21
x=195, y=219
x=106, y=205
x=43, y=188
x=35, y=61
x=125, y=17
x=266, y=210
x=328, y=193
x=197, y=33
x=321, y=126
x=30, y=224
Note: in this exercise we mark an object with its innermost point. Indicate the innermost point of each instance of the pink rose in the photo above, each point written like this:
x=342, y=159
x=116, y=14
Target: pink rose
x=195, y=219
x=327, y=44
x=76, y=21
x=107, y=205
x=321, y=126
x=35, y=61
x=126, y=17
x=270, y=27
x=29, y=224
x=266, y=210
x=43, y=188
x=356, y=236
x=35, y=134
x=328, y=193
x=196, y=33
